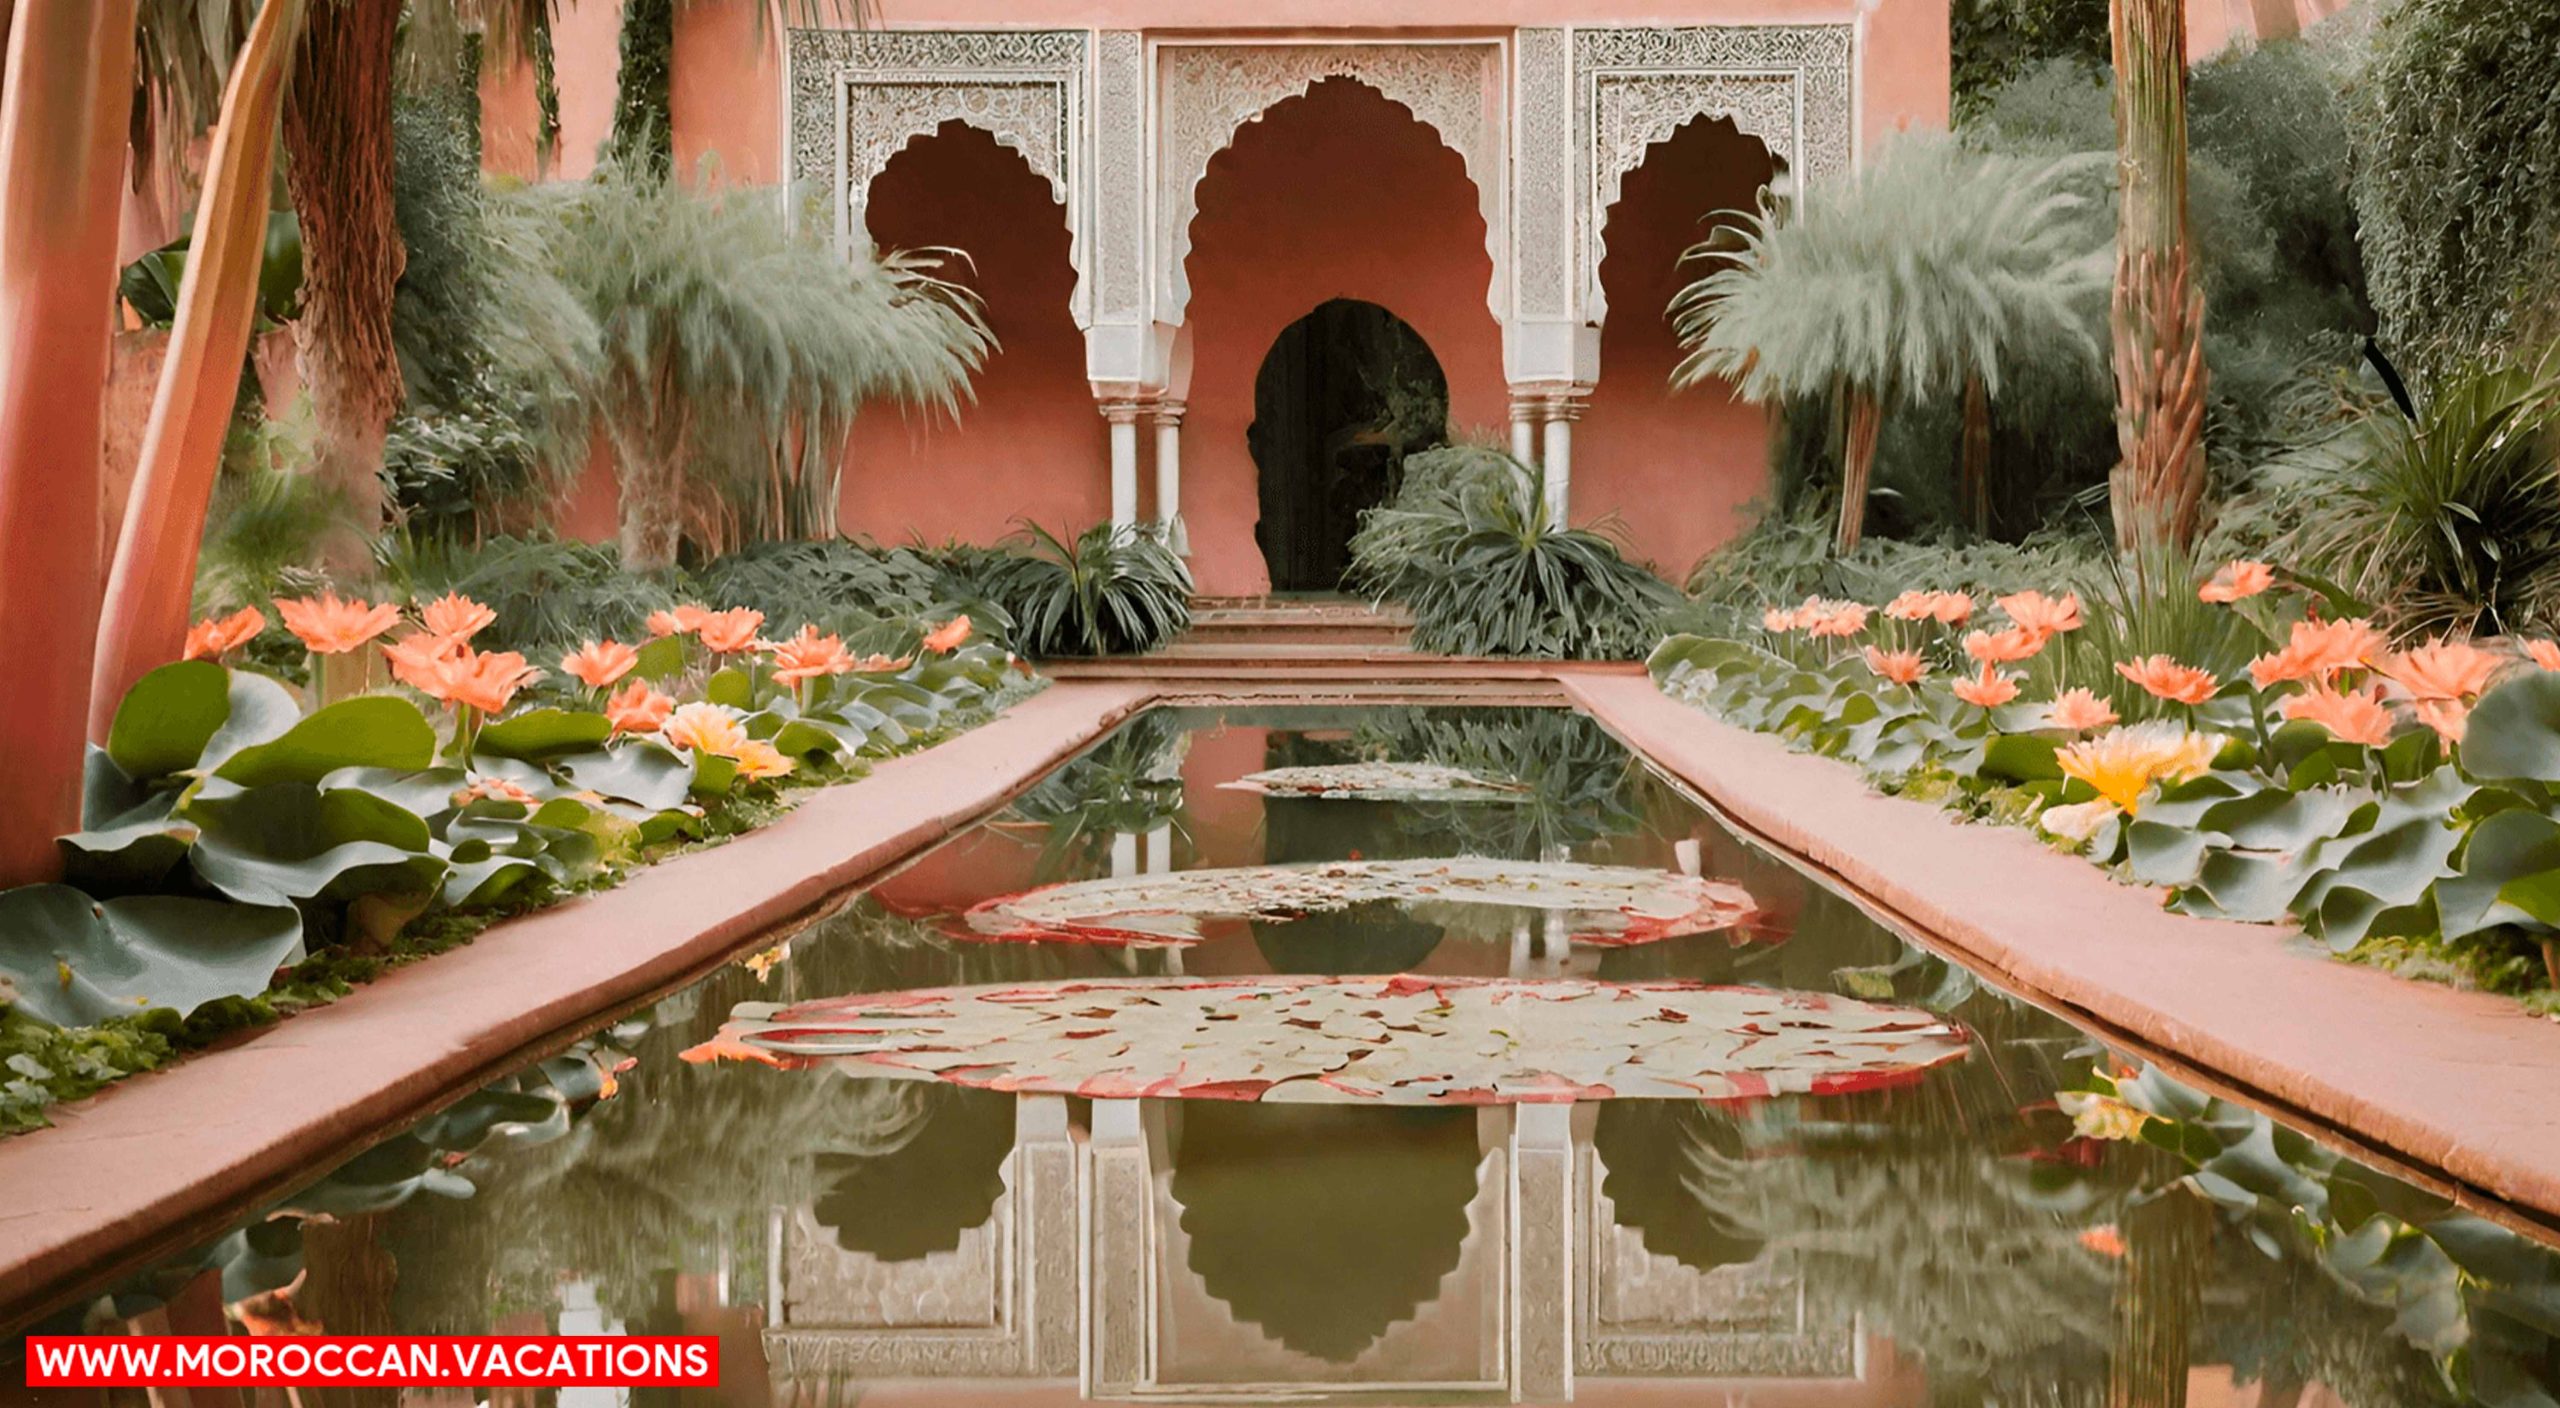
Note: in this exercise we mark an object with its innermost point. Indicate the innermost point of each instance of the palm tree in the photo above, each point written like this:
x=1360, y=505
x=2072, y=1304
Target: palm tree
x=1916, y=279
x=2157, y=490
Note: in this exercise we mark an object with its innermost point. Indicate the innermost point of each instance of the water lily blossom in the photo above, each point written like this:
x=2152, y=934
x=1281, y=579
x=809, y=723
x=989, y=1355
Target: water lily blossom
x=2352, y=716
x=704, y=728
x=948, y=636
x=731, y=632
x=758, y=760
x=493, y=789
x=639, y=708
x=2317, y=651
x=2164, y=678
x=329, y=625
x=809, y=656
x=678, y=620
x=217, y=636
x=1902, y=667
x=455, y=617
x=600, y=664
x=2121, y=764
x=2443, y=669
x=2043, y=615
x=2003, y=647
x=2237, y=581
x=487, y=681
x=2079, y=711
x=1988, y=690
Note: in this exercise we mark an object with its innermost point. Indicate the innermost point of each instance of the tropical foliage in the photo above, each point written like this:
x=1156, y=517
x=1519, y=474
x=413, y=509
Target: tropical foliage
x=1113, y=591
x=1469, y=545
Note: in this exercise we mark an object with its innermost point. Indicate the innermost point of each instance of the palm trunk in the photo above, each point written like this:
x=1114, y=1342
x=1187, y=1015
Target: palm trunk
x=2165, y=1243
x=63, y=118
x=337, y=134
x=652, y=493
x=1857, y=462
x=1973, y=484
x=2157, y=491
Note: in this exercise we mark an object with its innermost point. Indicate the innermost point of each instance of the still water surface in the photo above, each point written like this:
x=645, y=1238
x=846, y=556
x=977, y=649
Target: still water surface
x=1957, y=1239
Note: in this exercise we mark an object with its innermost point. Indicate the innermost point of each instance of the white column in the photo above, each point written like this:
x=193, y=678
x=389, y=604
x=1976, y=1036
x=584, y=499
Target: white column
x=1047, y=1216
x=1542, y=1251
x=1124, y=854
x=1524, y=428
x=1123, y=416
x=1168, y=418
x=1562, y=412
x=1118, y=1189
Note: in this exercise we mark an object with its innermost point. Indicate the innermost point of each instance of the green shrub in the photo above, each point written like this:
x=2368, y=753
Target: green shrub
x=1113, y=591
x=1468, y=546
x=1783, y=559
x=549, y=594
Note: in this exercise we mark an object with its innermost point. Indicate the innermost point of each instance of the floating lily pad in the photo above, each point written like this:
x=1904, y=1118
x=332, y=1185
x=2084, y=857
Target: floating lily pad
x=1606, y=904
x=1395, y=1041
x=1381, y=782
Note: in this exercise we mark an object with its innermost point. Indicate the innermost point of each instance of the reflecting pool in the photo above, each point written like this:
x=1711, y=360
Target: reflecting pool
x=1870, y=1180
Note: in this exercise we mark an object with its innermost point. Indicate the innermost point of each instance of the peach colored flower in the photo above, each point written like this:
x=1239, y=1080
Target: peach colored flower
x=1951, y=608
x=880, y=664
x=950, y=635
x=2237, y=581
x=217, y=636
x=1988, y=690
x=330, y=626
x=1912, y=606
x=2543, y=653
x=732, y=632
x=2121, y=764
x=600, y=663
x=678, y=621
x=2004, y=647
x=2079, y=711
x=705, y=728
x=487, y=682
x=2043, y=615
x=1903, y=667
x=2442, y=669
x=422, y=660
x=808, y=656
x=1779, y=619
x=2104, y=1239
x=2449, y=718
x=2317, y=651
x=2355, y=716
x=1838, y=621
x=455, y=616
x=758, y=760
x=639, y=708
x=2076, y=822
x=2164, y=678
x=496, y=789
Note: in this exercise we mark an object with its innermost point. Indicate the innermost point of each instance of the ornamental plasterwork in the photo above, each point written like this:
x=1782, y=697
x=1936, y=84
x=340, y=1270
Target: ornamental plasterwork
x=1206, y=92
x=859, y=97
x=1543, y=201
x=1120, y=177
x=1790, y=86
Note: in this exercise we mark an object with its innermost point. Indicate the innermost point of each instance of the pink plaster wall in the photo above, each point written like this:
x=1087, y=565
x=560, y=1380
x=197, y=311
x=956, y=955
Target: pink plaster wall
x=1032, y=446
x=587, y=59
x=1337, y=194
x=1676, y=466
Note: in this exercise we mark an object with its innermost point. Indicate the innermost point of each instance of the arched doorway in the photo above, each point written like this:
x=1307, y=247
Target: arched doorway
x=1344, y=394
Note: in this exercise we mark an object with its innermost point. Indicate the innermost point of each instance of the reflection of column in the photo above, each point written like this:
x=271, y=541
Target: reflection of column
x=1168, y=418
x=1542, y=1251
x=1117, y=1194
x=1123, y=416
x=1124, y=854
x=1160, y=849
x=1044, y=1161
x=581, y=1314
x=1562, y=411
x=1524, y=428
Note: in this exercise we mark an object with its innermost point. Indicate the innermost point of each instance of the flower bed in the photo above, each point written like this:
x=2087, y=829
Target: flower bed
x=2401, y=804
x=247, y=851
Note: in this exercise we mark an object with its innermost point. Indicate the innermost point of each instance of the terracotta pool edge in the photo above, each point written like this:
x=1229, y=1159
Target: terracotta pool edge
x=157, y=1163
x=2446, y=1087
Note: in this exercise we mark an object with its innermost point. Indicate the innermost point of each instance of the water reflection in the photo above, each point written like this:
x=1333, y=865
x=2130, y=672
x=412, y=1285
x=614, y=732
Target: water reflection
x=2033, y=1225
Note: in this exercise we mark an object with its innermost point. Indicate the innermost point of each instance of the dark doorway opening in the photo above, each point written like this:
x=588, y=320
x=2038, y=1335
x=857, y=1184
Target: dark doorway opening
x=1343, y=396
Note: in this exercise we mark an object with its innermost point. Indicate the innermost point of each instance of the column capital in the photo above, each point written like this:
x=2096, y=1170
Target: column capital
x=1168, y=410
x=1121, y=410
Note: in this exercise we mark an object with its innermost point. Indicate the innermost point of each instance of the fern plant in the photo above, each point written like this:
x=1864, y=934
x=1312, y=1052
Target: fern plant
x=1468, y=546
x=1112, y=591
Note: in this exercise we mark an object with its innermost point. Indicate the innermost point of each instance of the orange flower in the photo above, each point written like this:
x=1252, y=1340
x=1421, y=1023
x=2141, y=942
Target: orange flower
x=679, y=621
x=2450, y=718
x=422, y=659
x=495, y=789
x=329, y=626
x=2005, y=648
x=1903, y=667
x=2103, y=1239
x=638, y=708
x=1912, y=606
x=2121, y=764
x=2237, y=581
x=2543, y=653
x=731, y=632
x=880, y=664
x=2442, y=669
x=705, y=728
x=2317, y=651
x=599, y=663
x=2356, y=716
x=1988, y=690
x=2043, y=615
x=758, y=760
x=1951, y=608
x=214, y=637
x=1779, y=619
x=2164, y=678
x=2079, y=711
x=455, y=616
x=810, y=655
x=487, y=682
x=950, y=635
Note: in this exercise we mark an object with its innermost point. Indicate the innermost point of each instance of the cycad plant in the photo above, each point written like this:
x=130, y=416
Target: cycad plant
x=2157, y=320
x=736, y=352
x=1918, y=279
x=1114, y=590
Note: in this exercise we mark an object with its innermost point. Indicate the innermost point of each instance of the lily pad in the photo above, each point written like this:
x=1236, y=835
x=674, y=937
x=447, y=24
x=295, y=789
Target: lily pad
x=1607, y=905
x=1381, y=782
x=75, y=961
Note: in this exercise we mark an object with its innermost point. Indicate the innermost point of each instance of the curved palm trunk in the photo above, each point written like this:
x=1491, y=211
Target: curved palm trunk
x=63, y=120
x=1973, y=483
x=2157, y=490
x=144, y=621
x=337, y=136
x=1865, y=414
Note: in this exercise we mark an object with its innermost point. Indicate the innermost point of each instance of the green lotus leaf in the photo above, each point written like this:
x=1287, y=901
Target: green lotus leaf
x=168, y=717
x=2020, y=757
x=713, y=776
x=2163, y=853
x=2275, y=819
x=262, y=710
x=293, y=841
x=122, y=859
x=2505, y=849
x=539, y=734
x=425, y=793
x=2370, y=877
x=487, y=881
x=76, y=961
x=464, y=1125
x=802, y=738
x=2251, y=886
x=647, y=773
x=380, y=1178
x=661, y=659
x=108, y=797
x=376, y=731
x=2514, y=731
x=729, y=685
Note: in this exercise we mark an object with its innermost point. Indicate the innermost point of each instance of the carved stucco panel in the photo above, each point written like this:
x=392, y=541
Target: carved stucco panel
x=1120, y=176
x=1206, y=92
x=1543, y=195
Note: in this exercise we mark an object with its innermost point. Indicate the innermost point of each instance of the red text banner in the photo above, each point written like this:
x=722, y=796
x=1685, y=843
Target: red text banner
x=385, y=1361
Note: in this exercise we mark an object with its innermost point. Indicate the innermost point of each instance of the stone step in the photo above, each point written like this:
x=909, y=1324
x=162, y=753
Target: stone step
x=1296, y=621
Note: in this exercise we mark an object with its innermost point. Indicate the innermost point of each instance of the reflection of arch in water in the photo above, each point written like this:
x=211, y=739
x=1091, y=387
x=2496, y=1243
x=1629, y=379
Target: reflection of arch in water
x=1652, y=1150
x=927, y=1179
x=1324, y=1225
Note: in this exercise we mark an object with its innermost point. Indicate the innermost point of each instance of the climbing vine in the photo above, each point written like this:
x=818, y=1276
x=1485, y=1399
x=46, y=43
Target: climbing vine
x=643, y=137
